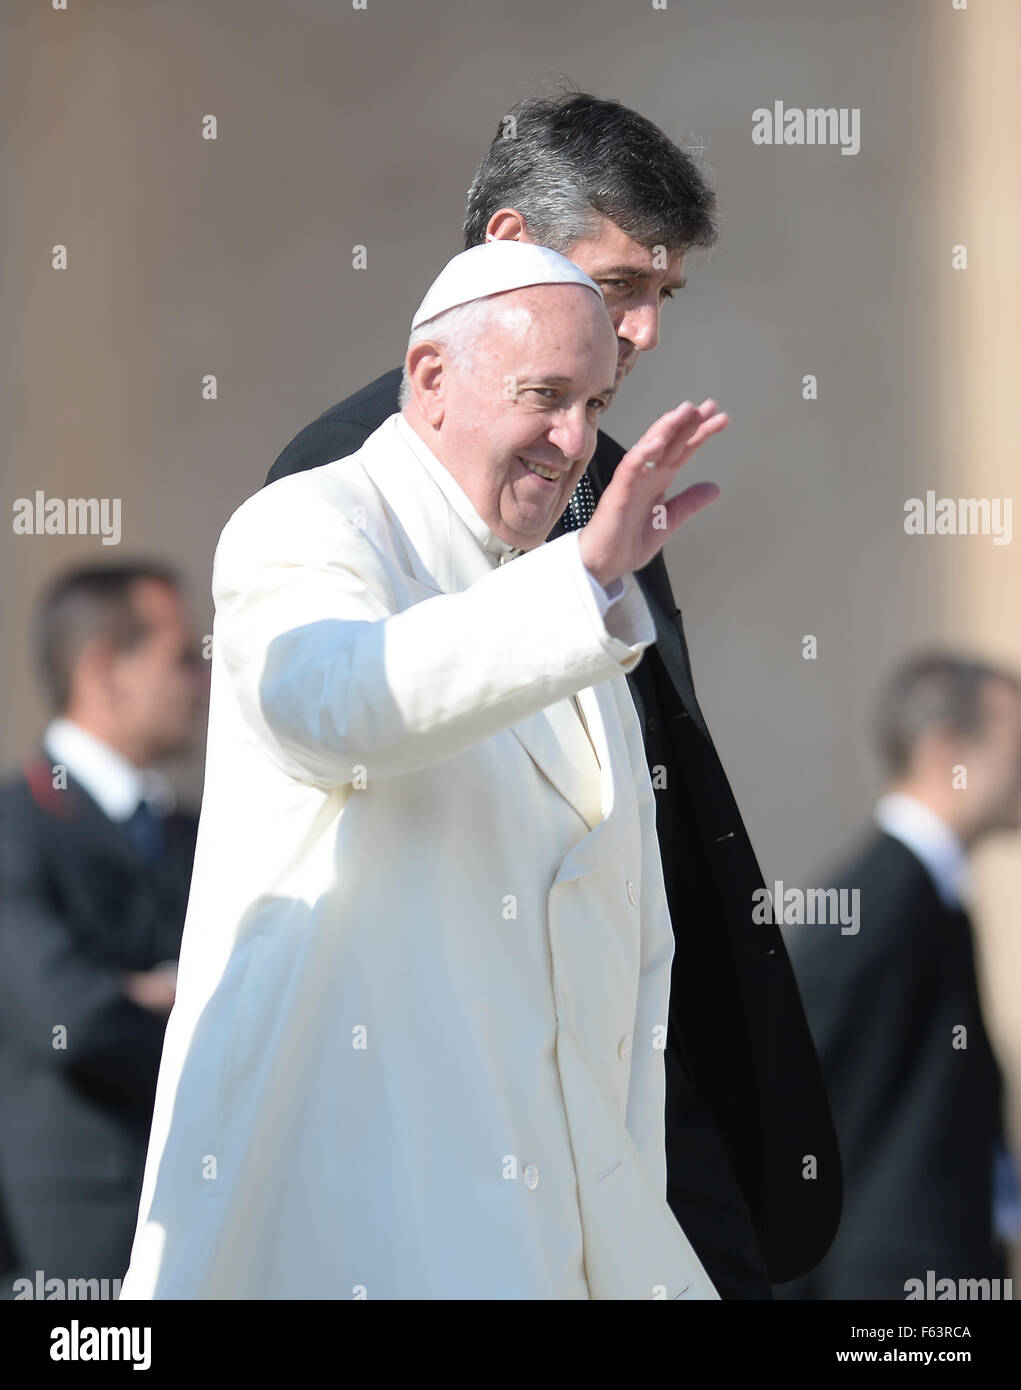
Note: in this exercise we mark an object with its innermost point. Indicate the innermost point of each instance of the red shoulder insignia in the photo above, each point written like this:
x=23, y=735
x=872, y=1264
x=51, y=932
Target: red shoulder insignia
x=54, y=801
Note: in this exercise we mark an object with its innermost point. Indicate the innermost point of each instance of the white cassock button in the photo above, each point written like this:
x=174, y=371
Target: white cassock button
x=624, y=1051
x=632, y=899
x=531, y=1176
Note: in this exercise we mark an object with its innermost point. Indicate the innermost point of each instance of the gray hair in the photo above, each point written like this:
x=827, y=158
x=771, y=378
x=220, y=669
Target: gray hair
x=564, y=161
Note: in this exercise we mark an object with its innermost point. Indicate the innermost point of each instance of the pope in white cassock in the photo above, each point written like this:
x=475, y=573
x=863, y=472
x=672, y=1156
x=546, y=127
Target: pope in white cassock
x=417, y=1048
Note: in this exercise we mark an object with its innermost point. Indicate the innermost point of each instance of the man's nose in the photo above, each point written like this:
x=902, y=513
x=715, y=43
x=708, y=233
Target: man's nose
x=570, y=434
x=640, y=326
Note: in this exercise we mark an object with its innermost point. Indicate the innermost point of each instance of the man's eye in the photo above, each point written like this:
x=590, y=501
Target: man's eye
x=667, y=291
x=595, y=404
x=546, y=391
x=618, y=284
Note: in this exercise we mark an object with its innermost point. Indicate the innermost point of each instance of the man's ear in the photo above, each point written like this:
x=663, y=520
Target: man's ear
x=937, y=747
x=94, y=667
x=427, y=374
x=507, y=224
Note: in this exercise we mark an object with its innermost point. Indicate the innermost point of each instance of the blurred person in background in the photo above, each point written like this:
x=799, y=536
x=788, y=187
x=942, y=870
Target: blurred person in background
x=895, y=1007
x=95, y=866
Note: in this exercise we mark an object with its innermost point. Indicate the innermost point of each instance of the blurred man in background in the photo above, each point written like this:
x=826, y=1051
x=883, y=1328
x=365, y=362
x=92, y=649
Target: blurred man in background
x=94, y=873
x=895, y=1009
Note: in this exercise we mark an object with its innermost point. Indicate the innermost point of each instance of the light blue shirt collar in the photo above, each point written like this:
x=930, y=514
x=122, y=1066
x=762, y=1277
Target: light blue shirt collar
x=932, y=841
x=111, y=779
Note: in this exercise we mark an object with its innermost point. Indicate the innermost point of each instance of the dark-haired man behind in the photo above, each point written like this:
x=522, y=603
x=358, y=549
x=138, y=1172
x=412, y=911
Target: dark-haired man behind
x=745, y=1102
x=894, y=1007
x=94, y=875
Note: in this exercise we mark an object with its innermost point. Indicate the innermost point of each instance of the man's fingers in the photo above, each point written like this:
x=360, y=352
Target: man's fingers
x=688, y=502
x=658, y=438
x=675, y=455
x=671, y=441
x=710, y=426
x=688, y=420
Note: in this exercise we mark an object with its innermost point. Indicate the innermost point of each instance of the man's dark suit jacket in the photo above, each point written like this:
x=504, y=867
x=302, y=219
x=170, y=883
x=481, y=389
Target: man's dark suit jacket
x=78, y=908
x=917, y=1119
x=740, y=1062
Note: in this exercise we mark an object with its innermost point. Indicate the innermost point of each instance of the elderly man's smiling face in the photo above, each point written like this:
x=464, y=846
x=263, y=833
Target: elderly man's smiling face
x=514, y=419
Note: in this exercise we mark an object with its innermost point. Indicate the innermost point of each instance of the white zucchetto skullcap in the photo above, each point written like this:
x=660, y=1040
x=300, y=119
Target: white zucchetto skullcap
x=492, y=268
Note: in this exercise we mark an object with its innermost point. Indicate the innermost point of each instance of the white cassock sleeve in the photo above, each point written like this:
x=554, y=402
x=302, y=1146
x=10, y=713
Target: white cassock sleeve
x=330, y=676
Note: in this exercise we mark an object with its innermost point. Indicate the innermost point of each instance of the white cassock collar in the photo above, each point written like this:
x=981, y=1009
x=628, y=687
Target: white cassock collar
x=497, y=549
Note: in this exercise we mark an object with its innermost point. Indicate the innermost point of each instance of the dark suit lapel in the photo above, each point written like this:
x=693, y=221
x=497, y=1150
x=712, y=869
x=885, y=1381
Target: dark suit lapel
x=76, y=807
x=673, y=653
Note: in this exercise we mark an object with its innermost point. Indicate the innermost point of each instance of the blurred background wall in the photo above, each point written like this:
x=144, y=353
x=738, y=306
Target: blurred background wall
x=339, y=127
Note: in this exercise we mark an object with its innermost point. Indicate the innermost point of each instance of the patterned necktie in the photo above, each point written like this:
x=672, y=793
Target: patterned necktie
x=578, y=512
